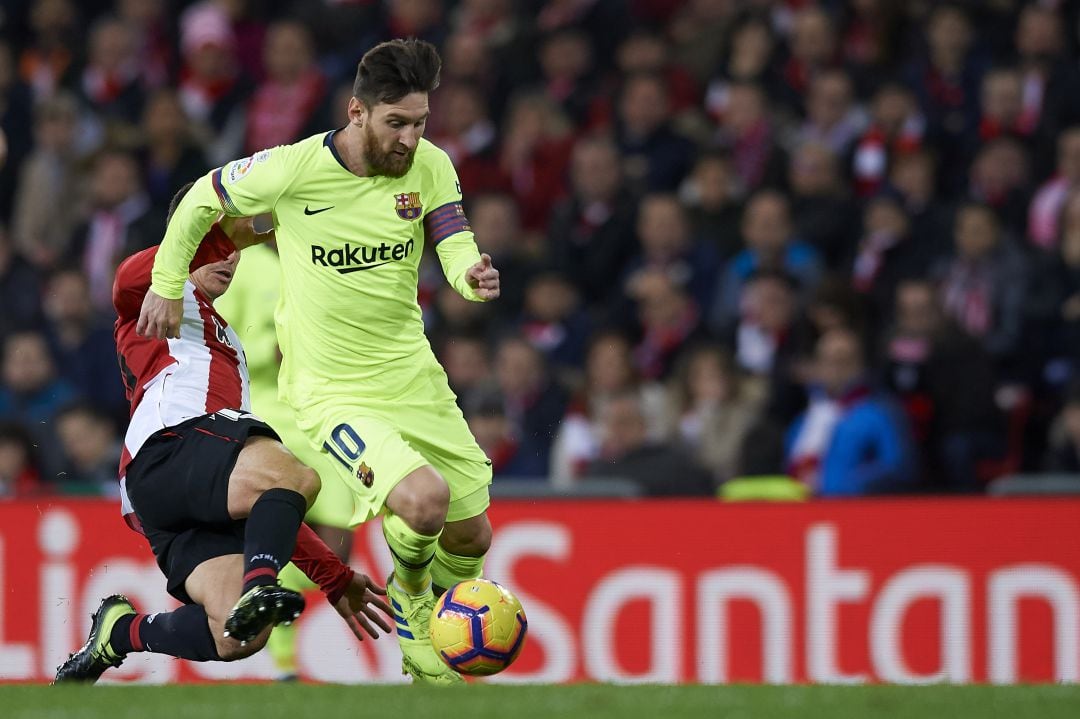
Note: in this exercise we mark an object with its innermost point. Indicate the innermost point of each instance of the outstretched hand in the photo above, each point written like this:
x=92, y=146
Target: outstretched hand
x=361, y=605
x=484, y=278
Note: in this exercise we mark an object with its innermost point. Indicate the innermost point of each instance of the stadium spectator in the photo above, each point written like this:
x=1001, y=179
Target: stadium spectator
x=466, y=359
x=555, y=322
x=111, y=83
x=20, y=291
x=658, y=468
x=814, y=49
x=769, y=342
x=712, y=409
x=497, y=225
x=91, y=449
x=532, y=402
x=48, y=57
x=154, y=51
x=1051, y=82
x=511, y=455
x=19, y=474
x=655, y=157
x=746, y=131
x=566, y=64
x=849, y=441
x=82, y=343
x=645, y=51
x=212, y=86
x=833, y=117
x=770, y=245
x=914, y=178
x=748, y=58
x=533, y=157
x=609, y=371
x=666, y=244
x=468, y=135
x=1053, y=301
x=946, y=80
x=1045, y=210
x=1001, y=105
x=1064, y=452
x=888, y=252
x=121, y=222
x=710, y=195
x=668, y=320
x=999, y=177
x=589, y=231
x=984, y=283
x=821, y=206
x=47, y=199
x=288, y=103
x=16, y=127
x=32, y=393
x=946, y=383
x=896, y=128
x=698, y=32
x=169, y=156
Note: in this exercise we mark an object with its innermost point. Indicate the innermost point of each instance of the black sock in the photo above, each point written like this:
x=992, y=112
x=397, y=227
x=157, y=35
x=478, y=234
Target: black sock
x=183, y=633
x=270, y=535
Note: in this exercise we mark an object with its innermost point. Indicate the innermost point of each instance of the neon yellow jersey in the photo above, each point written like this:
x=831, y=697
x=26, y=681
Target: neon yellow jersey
x=350, y=250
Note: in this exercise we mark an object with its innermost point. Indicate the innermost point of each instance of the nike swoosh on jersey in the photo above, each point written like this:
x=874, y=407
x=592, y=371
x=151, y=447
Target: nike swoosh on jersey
x=347, y=270
x=309, y=211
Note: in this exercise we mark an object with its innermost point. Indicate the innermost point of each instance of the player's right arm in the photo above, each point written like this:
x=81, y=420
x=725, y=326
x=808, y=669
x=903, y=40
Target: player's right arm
x=249, y=186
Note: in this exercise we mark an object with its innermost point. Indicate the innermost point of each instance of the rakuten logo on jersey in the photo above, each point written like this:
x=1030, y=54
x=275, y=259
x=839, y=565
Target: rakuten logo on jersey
x=354, y=258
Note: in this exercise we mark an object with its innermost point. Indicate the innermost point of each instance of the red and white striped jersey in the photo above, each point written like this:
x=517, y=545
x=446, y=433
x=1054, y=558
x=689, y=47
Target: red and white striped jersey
x=174, y=380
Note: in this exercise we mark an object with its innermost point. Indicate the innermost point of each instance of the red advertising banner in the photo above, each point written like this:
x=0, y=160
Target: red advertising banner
x=910, y=591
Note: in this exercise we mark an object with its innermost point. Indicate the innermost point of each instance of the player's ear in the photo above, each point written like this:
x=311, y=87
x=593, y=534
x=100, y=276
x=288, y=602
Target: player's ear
x=357, y=111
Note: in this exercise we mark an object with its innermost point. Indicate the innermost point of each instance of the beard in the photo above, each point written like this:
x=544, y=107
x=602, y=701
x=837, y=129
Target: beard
x=385, y=163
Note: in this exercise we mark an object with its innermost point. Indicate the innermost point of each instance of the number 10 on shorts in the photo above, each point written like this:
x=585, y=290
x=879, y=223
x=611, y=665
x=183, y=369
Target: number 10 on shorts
x=345, y=445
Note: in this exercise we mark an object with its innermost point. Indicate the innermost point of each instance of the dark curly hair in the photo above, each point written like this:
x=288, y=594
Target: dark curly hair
x=393, y=69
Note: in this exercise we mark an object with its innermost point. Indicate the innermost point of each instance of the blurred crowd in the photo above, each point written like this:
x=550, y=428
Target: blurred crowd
x=832, y=247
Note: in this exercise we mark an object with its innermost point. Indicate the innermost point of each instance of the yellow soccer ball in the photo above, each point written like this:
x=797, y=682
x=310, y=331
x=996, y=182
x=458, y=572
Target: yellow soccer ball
x=478, y=627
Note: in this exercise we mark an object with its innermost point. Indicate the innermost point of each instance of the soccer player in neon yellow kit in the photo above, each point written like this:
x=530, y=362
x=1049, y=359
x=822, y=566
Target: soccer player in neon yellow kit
x=352, y=209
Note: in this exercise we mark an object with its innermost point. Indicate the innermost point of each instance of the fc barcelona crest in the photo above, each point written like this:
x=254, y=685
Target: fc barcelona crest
x=365, y=474
x=408, y=205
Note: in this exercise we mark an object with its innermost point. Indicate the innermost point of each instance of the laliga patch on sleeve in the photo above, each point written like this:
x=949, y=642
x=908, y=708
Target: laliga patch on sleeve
x=240, y=169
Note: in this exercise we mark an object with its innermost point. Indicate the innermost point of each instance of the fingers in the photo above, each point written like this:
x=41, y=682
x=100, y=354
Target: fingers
x=485, y=260
x=379, y=619
x=380, y=605
x=488, y=294
x=355, y=627
x=363, y=622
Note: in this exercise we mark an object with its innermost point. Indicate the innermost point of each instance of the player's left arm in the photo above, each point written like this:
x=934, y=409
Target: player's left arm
x=448, y=229
x=245, y=187
x=354, y=595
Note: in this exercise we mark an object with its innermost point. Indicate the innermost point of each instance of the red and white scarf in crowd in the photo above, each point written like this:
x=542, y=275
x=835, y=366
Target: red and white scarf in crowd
x=969, y=296
x=815, y=435
x=278, y=112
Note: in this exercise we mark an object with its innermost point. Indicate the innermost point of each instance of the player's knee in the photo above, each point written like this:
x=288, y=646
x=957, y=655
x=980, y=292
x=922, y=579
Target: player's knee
x=421, y=499
x=471, y=539
x=307, y=483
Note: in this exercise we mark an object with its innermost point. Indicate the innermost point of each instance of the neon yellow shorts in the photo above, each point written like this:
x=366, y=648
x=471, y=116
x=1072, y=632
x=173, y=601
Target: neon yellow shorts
x=373, y=446
x=334, y=505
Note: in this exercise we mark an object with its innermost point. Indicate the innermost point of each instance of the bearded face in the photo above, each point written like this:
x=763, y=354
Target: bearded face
x=386, y=156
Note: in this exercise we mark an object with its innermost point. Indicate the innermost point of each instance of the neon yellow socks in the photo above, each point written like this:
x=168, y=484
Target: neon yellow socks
x=412, y=553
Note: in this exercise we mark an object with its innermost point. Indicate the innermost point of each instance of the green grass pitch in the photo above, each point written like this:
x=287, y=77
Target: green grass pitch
x=300, y=701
